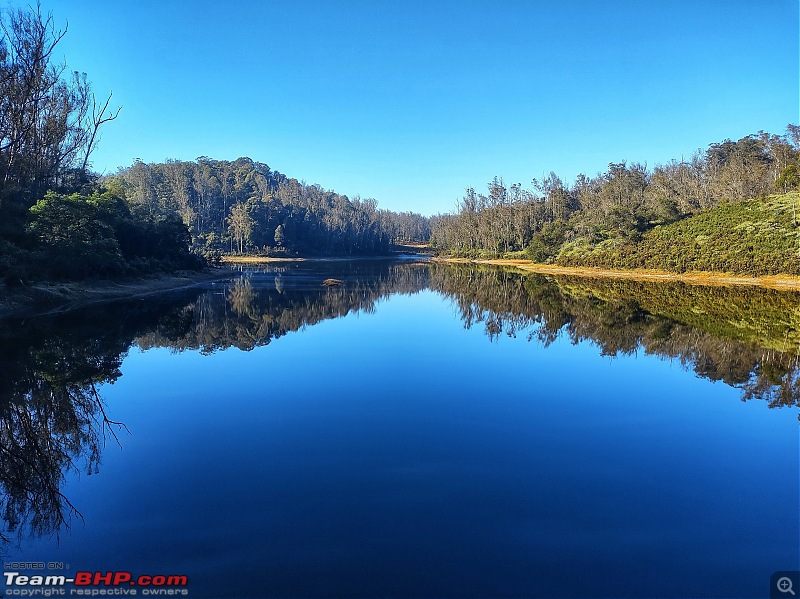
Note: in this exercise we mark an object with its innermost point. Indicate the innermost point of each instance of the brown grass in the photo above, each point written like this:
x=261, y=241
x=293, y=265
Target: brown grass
x=693, y=278
x=257, y=259
x=416, y=246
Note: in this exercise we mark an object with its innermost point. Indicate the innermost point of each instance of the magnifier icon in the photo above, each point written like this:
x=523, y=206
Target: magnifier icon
x=785, y=585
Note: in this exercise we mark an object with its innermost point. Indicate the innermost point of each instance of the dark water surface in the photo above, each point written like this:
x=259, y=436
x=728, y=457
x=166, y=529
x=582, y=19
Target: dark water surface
x=418, y=431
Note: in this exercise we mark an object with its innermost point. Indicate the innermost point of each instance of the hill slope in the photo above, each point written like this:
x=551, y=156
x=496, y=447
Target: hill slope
x=750, y=237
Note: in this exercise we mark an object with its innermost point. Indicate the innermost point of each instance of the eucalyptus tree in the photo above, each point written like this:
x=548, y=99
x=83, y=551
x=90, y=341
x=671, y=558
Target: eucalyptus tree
x=241, y=204
x=240, y=225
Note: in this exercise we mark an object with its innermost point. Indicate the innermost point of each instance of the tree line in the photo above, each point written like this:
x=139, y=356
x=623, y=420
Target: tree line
x=59, y=220
x=624, y=202
x=244, y=206
x=56, y=220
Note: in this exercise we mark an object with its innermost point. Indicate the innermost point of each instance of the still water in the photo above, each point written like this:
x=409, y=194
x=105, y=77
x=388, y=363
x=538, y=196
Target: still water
x=418, y=431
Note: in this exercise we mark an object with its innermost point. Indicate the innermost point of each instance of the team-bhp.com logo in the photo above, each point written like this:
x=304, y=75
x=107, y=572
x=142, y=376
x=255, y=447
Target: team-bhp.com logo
x=95, y=584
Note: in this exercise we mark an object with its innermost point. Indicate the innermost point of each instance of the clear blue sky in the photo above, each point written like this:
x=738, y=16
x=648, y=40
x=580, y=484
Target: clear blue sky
x=410, y=102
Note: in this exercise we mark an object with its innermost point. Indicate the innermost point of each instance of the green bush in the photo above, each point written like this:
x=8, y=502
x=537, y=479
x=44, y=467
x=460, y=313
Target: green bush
x=80, y=236
x=753, y=237
x=546, y=243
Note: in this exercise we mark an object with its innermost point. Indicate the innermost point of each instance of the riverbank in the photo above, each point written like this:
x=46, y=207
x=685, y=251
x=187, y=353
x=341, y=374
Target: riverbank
x=692, y=278
x=257, y=259
x=56, y=297
x=398, y=251
x=245, y=260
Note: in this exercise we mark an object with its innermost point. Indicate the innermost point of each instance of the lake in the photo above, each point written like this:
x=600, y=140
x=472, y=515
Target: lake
x=420, y=430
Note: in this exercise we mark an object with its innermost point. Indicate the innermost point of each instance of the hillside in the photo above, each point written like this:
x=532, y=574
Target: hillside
x=246, y=207
x=685, y=215
x=750, y=237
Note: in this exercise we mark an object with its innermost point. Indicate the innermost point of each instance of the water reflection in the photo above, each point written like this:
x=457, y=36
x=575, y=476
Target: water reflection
x=262, y=305
x=746, y=337
x=53, y=420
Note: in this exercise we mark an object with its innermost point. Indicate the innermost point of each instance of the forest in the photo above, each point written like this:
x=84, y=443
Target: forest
x=729, y=208
x=61, y=221
x=57, y=221
x=244, y=207
x=631, y=216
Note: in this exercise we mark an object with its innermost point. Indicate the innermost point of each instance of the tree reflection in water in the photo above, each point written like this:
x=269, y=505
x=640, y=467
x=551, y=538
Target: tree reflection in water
x=746, y=337
x=53, y=420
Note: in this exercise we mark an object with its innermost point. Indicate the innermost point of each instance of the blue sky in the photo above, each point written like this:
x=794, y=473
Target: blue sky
x=411, y=102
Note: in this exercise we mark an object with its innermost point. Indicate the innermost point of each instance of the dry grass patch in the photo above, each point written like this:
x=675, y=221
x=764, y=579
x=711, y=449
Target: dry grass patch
x=694, y=278
x=257, y=259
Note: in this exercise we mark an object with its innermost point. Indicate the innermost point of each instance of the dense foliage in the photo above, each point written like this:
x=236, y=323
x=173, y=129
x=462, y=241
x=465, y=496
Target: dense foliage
x=80, y=236
x=56, y=221
x=632, y=216
x=244, y=206
x=754, y=237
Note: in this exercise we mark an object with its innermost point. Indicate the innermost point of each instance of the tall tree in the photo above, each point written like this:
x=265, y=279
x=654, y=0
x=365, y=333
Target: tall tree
x=240, y=225
x=49, y=117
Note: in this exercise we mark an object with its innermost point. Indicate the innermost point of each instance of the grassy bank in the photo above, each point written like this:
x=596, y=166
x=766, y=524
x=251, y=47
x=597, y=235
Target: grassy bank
x=751, y=238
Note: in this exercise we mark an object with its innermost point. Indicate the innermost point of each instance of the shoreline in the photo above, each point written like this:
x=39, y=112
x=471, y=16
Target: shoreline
x=718, y=279
x=51, y=298
x=43, y=299
x=57, y=297
x=238, y=260
x=230, y=260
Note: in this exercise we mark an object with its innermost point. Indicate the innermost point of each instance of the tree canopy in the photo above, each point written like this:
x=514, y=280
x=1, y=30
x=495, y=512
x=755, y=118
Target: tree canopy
x=244, y=206
x=56, y=221
x=620, y=206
